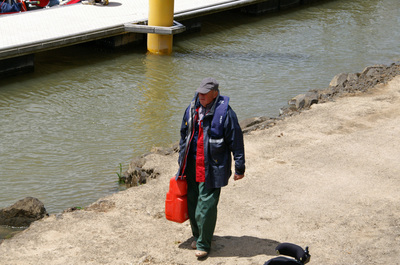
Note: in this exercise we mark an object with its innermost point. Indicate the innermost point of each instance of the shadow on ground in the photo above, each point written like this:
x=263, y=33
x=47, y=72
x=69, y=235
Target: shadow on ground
x=233, y=246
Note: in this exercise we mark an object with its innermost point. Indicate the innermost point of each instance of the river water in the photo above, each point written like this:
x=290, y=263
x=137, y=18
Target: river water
x=66, y=127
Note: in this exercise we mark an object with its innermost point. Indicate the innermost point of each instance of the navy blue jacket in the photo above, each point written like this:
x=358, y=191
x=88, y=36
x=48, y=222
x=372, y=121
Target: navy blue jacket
x=7, y=8
x=222, y=136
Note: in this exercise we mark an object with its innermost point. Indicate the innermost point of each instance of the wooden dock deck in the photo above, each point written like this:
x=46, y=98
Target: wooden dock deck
x=24, y=34
x=39, y=30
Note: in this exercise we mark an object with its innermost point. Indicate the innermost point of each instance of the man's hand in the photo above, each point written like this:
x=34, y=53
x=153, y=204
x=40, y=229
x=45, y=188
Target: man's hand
x=237, y=177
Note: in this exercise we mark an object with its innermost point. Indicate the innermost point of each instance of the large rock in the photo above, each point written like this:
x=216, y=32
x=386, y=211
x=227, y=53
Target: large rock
x=303, y=101
x=256, y=123
x=251, y=122
x=23, y=212
x=338, y=80
x=136, y=175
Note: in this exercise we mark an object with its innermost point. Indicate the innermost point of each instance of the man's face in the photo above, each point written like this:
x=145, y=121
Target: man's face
x=206, y=99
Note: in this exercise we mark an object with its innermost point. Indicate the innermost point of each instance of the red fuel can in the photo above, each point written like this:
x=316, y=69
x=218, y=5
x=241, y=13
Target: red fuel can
x=176, y=209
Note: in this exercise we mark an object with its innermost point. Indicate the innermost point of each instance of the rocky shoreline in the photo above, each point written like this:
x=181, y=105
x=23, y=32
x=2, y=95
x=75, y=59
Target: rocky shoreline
x=342, y=84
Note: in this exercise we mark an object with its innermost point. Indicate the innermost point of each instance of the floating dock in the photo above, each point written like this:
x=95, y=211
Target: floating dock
x=26, y=33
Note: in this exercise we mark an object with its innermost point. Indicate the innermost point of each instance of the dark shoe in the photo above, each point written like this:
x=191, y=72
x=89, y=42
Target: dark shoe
x=193, y=245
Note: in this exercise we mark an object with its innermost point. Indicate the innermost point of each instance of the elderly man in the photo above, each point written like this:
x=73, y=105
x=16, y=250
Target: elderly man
x=210, y=132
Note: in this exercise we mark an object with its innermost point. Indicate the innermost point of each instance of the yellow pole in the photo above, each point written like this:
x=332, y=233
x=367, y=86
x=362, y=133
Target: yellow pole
x=161, y=13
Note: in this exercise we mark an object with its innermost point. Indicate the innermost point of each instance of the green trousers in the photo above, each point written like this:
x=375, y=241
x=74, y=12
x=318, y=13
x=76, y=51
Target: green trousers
x=202, y=208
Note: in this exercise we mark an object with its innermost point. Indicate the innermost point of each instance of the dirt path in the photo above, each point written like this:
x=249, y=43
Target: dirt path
x=327, y=178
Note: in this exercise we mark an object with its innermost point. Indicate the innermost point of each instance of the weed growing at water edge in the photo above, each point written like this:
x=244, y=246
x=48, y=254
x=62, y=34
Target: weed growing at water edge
x=120, y=179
